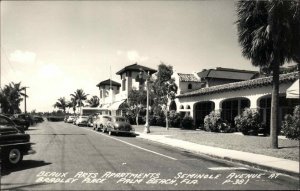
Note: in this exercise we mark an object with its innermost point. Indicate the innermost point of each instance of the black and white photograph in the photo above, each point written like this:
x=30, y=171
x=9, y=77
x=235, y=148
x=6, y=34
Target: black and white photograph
x=149, y=95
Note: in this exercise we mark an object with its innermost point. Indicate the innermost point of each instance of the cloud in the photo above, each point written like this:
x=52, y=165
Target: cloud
x=133, y=55
x=22, y=56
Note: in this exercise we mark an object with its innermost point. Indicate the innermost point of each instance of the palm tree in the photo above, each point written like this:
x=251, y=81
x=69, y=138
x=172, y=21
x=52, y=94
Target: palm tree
x=79, y=96
x=11, y=96
x=267, y=33
x=61, y=104
x=72, y=104
x=94, y=101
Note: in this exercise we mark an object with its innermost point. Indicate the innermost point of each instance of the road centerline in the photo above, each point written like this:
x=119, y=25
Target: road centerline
x=136, y=146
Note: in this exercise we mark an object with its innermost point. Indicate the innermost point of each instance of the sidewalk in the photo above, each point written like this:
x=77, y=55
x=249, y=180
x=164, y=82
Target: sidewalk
x=170, y=137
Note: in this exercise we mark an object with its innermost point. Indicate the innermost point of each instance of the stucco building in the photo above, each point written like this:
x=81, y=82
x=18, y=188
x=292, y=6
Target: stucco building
x=232, y=98
x=113, y=94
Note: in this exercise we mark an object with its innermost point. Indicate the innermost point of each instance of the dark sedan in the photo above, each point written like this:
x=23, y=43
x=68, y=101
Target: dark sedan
x=14, y=143
x=118, y=124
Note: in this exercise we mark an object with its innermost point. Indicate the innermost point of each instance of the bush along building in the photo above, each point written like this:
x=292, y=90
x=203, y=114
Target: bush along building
x=113, y=95
x=229, y=92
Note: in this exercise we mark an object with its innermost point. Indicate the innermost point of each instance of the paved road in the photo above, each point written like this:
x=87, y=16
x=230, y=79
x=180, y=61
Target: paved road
x=77, y=158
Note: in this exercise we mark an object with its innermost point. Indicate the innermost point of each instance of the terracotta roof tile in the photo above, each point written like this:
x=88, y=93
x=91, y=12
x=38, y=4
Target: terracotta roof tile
x=188, y=78
x=241, y=85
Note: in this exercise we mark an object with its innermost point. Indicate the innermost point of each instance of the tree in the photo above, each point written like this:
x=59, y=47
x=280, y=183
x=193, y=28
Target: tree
x=94, y=101
x=137, y=100
x=269, y=35
x=79, y=96
x=11, y=97
x=72, y=104
x=164, y=88
x=61, y=104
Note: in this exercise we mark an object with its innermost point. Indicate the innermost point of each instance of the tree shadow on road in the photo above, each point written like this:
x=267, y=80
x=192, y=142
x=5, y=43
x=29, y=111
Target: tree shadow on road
x=25, y=164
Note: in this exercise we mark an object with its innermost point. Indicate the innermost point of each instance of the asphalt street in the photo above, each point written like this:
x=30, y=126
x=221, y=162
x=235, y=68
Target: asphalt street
x=69, y=157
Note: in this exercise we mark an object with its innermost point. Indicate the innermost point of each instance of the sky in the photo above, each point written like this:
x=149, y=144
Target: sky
x=56, y=47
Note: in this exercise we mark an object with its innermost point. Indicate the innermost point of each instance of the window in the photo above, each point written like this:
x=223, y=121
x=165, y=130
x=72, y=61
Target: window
x=123, y=84
x=190, y=86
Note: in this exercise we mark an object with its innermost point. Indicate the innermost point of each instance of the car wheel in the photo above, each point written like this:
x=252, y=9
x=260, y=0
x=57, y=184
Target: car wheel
x=14, y=156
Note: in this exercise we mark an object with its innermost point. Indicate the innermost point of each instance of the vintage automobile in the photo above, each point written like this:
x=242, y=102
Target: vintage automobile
x=38, y=119
x=22, y=124
x=14, y=144
x=118, y=124
x=91, y=119
x=27, y=117
x=81, y=120
x=100, y=121
x=70, y=119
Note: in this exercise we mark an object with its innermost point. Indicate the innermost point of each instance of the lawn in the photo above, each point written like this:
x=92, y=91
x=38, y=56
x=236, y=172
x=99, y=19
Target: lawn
x=288, y=149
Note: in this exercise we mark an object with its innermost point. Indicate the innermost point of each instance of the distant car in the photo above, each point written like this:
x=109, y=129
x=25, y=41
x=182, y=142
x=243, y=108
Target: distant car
x=66, y=118
x=100, y=122
x=90, y=120
x=38, y=119
x=26, y=117
x=75, y=119
x=81, y=120
x=70, y=119
x=14, y=144
x=118, y=124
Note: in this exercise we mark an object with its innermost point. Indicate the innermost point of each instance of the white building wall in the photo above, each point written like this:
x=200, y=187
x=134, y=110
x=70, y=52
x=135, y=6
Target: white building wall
x=253, y=94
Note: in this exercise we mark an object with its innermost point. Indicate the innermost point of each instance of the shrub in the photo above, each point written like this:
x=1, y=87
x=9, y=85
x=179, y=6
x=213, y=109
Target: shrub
x=187, y=123
x=248, y=122
x=174, y=119
x=161, y=120
x=214, y=123
x=291, y=124
x=55, y=118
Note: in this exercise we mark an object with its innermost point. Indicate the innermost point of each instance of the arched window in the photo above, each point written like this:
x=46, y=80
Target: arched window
x=181, y=107
x=190, y=86
x=187, y=107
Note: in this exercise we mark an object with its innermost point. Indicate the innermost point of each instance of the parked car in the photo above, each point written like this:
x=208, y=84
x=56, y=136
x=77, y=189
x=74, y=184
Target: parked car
x=90, y=120
x=66, y=118
x=14, y=143
x=81, y=120
x=70, y=119
x=26, y=117
x=22, y=124
x=118, y=124
x=38, y=119
x=75, y=119
x=100, y=122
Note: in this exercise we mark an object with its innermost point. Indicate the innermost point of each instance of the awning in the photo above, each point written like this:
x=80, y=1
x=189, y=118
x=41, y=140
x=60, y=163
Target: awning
x=116, y=105
x=293, y=91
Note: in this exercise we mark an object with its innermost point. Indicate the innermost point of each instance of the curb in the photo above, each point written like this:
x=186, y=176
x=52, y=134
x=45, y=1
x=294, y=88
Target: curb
x=248, y=163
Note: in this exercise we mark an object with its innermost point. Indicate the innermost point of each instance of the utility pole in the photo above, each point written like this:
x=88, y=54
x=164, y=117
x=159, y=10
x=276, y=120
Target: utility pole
x=25, y=110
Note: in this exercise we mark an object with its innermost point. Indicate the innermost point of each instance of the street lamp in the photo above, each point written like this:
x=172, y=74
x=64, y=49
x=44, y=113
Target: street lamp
x=147, y=74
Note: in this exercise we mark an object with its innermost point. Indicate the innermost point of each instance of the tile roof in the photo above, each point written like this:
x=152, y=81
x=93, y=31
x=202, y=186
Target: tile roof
x=188, y=78
x=136, y=67
x=241, y=85
x=228, y=73
x=107, y=82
